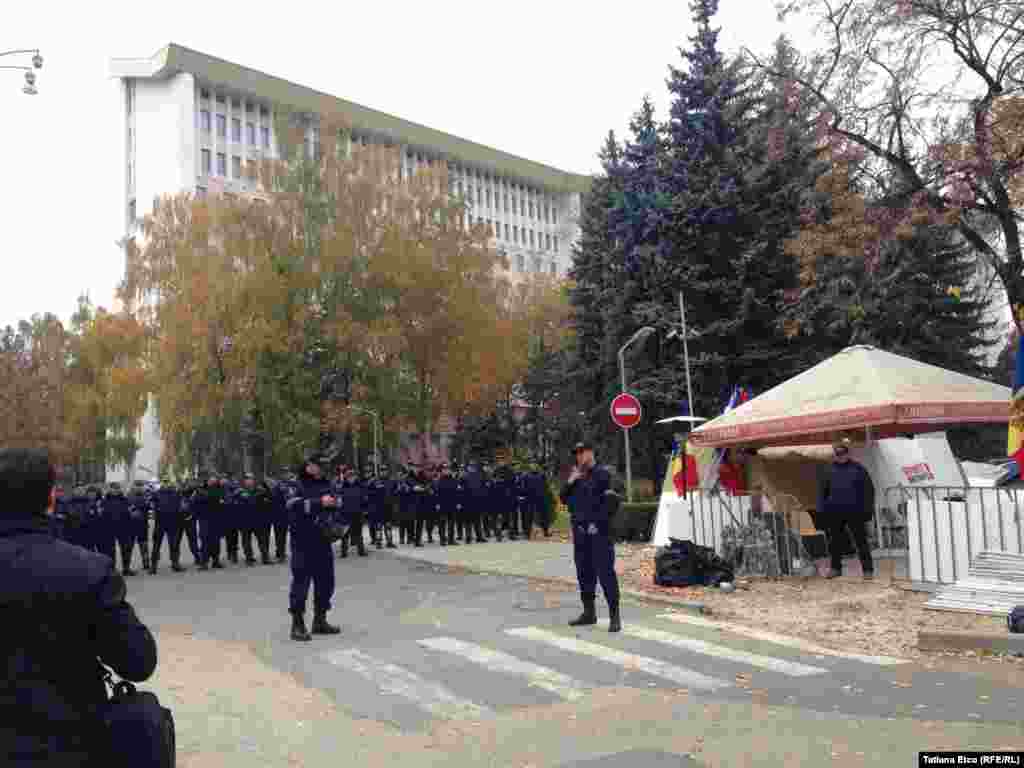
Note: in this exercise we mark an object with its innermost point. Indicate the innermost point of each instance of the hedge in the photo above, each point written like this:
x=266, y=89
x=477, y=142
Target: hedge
x=635, y=522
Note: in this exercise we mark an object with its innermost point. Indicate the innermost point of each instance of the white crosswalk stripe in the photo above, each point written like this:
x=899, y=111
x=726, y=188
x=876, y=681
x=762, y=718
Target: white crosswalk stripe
x=686, y=678
x=770, y=637
x=771, y=663
x=537, y=676
x=428, y=696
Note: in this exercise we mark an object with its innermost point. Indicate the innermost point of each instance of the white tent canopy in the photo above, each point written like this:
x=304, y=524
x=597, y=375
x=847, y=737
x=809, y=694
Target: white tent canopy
x=861, y=388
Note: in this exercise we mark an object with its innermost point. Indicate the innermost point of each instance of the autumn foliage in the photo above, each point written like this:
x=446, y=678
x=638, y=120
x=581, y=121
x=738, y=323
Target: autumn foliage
x=345, y=280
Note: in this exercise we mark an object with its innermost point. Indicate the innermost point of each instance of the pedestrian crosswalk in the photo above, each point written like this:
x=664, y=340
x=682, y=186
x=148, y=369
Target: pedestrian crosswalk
x=448, y=677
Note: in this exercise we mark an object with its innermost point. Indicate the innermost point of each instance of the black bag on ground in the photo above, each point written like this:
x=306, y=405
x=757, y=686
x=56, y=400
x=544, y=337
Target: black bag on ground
x=676, y=565
x=138, y=729
x=712, y=567
x=1015, y=620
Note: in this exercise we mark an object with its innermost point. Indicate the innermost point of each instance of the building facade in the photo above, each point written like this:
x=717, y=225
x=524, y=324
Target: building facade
x=191, y=122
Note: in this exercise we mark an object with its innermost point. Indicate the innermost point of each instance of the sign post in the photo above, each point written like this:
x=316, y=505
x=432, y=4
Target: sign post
x=626, y=414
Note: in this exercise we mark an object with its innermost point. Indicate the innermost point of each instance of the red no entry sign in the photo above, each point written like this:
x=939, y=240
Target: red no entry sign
x=625, y=411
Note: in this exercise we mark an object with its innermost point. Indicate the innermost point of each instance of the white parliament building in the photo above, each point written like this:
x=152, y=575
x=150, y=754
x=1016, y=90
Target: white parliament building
x=191, y=121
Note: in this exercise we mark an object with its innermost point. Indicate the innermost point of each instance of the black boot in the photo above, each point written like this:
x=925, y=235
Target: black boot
x=362, y=550
x=152, y=567
x=321, y=627
x=299, y=628
x=344, y=549
x=176, y=567
x=588, y=617
x=614, y=620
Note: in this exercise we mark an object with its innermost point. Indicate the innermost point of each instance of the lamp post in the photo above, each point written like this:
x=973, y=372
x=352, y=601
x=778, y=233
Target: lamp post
x=686, y=351
x=376, y=429
x=643, y=333
x=30, y=76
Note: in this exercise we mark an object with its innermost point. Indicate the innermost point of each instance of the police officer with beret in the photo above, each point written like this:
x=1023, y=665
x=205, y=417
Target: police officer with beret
x=591, y=500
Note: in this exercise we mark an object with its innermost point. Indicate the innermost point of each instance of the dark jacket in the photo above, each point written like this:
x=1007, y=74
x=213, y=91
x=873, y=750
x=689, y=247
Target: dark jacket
x=116, y=508
x=167, y=502
x=586, y=498
x=63, y=607
x=846, y=493
x=305, y=509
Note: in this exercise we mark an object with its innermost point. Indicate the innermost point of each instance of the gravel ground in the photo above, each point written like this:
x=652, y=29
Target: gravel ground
x=878, y=617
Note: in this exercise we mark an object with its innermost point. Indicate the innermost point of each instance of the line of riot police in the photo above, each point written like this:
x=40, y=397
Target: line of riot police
x=248, y=521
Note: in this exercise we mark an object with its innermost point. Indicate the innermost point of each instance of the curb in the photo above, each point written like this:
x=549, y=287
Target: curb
x=632, y=594
x=933, y=640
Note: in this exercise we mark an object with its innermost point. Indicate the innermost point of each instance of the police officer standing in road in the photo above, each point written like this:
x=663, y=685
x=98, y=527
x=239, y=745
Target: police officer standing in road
x=207, y=506
x=590, y=499
x=167, y=522
x=312, y=557
x=281, y=492
x=447, y=497
x=353, y=501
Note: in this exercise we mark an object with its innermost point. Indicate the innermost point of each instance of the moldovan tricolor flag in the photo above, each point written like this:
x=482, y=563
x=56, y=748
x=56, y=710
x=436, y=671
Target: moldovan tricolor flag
x=1015, y=441
x=684, y=468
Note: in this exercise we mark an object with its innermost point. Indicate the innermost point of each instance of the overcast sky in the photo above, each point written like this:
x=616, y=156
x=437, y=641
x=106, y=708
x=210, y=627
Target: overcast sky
x=543, y=80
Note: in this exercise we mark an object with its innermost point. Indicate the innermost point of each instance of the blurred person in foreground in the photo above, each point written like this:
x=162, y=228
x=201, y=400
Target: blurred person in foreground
x=65, y=614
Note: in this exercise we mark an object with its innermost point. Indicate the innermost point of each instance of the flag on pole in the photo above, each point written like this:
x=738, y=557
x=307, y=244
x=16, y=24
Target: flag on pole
x=1015, y=436
x=711, y=474
x=677, y=468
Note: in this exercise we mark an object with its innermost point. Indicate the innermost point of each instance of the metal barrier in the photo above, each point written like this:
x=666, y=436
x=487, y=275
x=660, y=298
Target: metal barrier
x=749, y=531
x=946, y=526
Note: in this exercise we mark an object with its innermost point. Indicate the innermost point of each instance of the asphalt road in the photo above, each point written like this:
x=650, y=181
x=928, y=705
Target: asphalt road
x=440, y=667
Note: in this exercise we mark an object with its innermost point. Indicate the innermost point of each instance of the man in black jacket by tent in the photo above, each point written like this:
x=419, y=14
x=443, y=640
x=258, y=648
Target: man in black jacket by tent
x=587, y=495
x=847, y=505
x=64, y=613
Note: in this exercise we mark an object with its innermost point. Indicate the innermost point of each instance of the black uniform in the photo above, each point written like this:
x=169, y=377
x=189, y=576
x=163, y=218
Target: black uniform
x=280, y=494
x=354, y=501
x=207, y=505
x=117, y=515
x=593, y=549
x=99, y=531
x=447, y=492
x=139, y=512
x=407, y=502
x=381, y=492
x=494, y=515
x=64, y=607
x=312, y=558
x=535, y=492
x=424, y=502
x=231, y=522
x=168, y=520
x=474, y=495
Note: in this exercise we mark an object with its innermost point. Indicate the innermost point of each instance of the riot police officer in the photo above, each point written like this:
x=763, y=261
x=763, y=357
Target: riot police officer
x=475, y=495
x=447, y=488
x=312, y=558
x=101, y=530
x=139, y=512
x=354, y=502
x=116, y=512
x=406, y=507
x=590, y=499
x=280, y=493
x=207, y=505
x=167, y=521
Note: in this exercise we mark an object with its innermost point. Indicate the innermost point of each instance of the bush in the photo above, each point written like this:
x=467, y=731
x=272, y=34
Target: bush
x=635, y=522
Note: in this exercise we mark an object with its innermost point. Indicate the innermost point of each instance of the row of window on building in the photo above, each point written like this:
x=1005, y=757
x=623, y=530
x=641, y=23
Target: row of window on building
x=519, y=235
x=222, y=164
x=495, y=192
x=236, y=129
x=537, y=265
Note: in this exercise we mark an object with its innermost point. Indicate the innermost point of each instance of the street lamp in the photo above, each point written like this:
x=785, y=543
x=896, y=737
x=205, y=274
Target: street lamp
x=376, y=429
x=30, y=77
x=643, y=333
